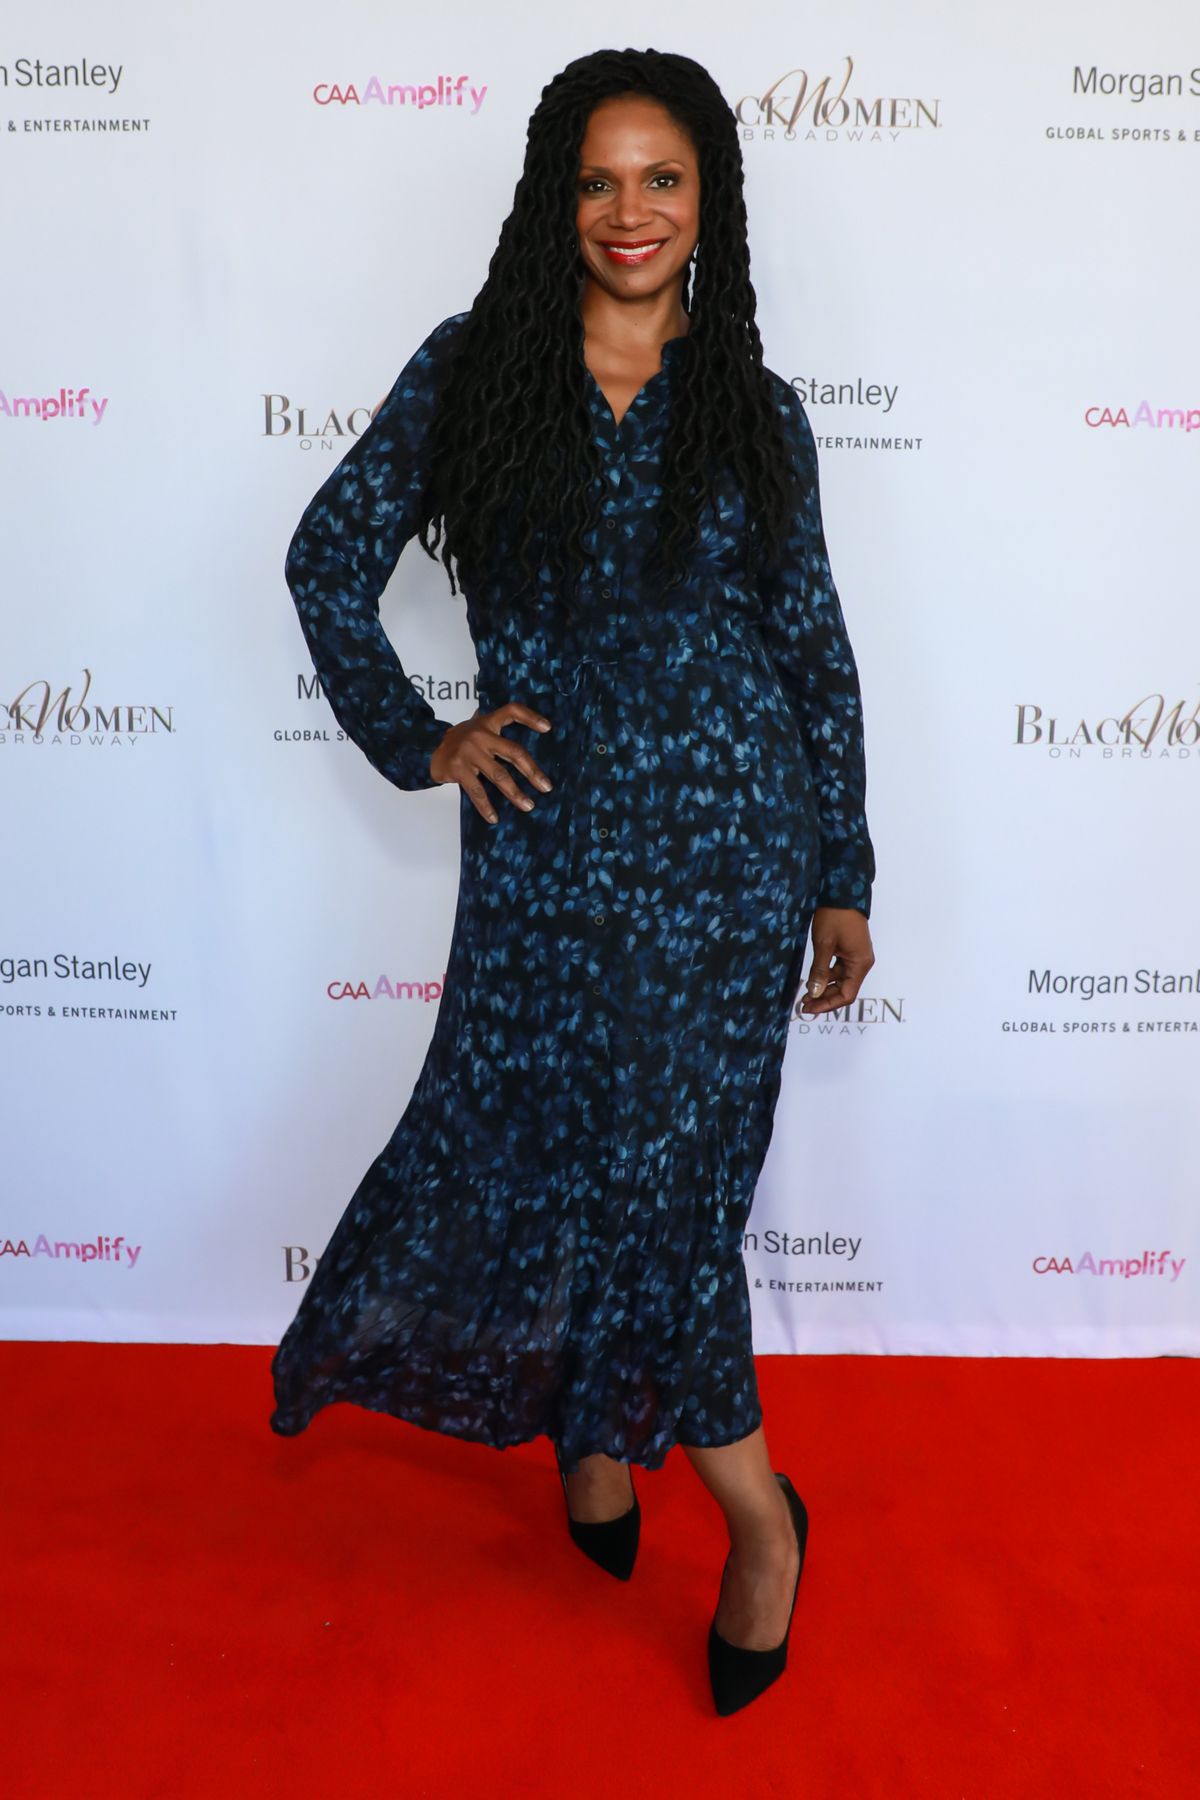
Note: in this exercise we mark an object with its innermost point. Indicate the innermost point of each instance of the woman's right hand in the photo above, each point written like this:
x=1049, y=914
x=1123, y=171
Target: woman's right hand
x=475, y=748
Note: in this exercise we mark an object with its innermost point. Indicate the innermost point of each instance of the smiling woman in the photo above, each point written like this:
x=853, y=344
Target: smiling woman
x=638, y=220
x=662, y=791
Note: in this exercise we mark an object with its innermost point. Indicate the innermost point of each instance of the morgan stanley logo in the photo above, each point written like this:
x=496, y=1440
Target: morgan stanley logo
x=68, y=403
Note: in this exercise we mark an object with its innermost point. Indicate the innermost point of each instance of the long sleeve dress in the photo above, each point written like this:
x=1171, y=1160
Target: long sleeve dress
x=550, y=1242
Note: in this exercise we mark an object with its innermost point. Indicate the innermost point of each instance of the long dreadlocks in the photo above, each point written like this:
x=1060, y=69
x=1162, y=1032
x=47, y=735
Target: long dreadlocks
x=511, y=439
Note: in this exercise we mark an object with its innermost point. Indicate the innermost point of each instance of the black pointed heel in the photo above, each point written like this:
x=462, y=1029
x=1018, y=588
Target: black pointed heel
x=611, y=1543
x=739, y=1675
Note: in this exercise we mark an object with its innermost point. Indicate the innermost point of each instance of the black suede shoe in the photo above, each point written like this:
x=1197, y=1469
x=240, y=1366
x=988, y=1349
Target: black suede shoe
x=739, y=1675
x=612, y=1543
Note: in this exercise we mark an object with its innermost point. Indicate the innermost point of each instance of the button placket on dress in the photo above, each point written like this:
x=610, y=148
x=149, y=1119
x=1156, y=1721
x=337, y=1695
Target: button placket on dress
x=587, y=837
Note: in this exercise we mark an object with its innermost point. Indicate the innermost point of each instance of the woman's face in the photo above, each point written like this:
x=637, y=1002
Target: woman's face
x=639, y=184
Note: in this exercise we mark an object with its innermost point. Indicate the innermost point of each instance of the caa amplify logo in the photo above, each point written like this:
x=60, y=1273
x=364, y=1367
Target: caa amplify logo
x=1150, y=725
x=783, y=108
x=281, y=419
x=105, y=1249
x=1162, y=418
x=38, y=713
x=384, y=988
x=68, y=403
x=449, y=91
x=1150, y=1262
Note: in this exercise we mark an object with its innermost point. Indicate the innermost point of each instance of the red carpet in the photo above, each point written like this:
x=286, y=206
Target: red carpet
x=1000, y=1595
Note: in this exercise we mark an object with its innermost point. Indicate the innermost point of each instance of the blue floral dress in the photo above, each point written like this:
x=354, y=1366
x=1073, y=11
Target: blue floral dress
x=550, y=1242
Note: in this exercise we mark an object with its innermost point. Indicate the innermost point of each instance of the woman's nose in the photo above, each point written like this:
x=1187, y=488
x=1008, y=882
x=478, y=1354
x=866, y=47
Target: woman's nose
x=628, y=209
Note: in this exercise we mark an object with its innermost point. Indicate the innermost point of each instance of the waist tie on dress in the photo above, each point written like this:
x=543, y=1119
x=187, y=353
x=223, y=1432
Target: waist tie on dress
x=579, y=679
x=582, y=680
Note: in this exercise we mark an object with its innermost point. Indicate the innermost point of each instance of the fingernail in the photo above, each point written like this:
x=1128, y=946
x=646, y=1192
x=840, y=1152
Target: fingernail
x=491, y=818
x=526, y=804
x=543, y=784
x=543, y=724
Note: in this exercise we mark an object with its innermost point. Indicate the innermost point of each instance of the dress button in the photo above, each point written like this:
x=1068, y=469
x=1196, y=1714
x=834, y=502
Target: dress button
x=598, y=918
x=601, y=749
x=597, y=988
x=604, y=831
x=606, y=593
x=610, y=524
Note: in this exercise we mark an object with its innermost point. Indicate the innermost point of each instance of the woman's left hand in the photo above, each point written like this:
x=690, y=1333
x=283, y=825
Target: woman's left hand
x=842, y=955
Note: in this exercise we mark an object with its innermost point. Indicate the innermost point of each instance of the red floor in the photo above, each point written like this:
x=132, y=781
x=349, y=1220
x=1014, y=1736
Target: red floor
x=1000, y=1595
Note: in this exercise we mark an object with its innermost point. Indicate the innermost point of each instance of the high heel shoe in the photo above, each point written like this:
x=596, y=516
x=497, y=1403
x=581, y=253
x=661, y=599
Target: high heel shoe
x=612, y=1543
x=739, y=1675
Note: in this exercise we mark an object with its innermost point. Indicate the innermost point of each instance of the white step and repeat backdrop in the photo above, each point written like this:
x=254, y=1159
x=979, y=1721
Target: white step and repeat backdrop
x=222, y=935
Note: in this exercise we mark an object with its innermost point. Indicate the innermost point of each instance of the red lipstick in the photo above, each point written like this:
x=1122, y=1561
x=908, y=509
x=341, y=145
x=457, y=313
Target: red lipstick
x=630, y=252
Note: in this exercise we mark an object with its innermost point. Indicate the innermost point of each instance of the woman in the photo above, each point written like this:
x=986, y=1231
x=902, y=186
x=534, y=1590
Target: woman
x=662, y=791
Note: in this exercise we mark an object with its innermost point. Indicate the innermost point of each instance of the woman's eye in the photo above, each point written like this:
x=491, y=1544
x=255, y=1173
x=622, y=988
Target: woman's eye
x=593, y=181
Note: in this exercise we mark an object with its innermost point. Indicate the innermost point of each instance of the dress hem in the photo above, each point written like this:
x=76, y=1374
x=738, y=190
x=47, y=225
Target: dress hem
x=651, y=1462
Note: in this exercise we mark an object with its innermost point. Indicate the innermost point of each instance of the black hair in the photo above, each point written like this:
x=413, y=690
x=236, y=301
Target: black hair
x=511, y=440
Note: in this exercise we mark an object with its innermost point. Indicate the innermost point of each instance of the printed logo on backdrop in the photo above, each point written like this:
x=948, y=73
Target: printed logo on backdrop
x=868, y=1012
x=772, y=1262
x=455, y=91
x=774, y=1251
x=1160, y=1003
x=387, y=987
x=113, y=1251
x=38, y=716
x=1152, y=1264
x=438, y=690
x=1157, y=725
x=1132, y=106
x=808, y=106
x=313, y=428
x=78, y=973
x=298, y=1262
x=79, y=404
x=1143, y=417
x=873, y=395
x=82, y=86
